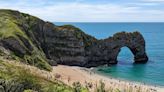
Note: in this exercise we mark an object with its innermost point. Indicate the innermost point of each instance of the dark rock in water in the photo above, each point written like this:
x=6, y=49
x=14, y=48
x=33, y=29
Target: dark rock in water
x=38, y=42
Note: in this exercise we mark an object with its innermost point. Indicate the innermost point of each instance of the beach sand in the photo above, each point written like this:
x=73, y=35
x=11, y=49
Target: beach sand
x=71, y=74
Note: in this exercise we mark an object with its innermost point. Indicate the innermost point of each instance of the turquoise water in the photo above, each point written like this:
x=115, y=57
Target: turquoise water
x=150, y=73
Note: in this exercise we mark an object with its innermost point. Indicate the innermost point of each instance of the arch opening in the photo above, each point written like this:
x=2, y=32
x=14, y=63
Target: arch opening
x=125, y=55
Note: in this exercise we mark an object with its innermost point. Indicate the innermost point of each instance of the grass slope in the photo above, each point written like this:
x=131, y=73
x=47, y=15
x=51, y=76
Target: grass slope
x=11, y=23
x=15, y=74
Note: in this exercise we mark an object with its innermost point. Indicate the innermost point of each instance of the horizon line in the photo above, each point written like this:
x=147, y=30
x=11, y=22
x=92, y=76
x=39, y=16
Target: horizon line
x=105, y=22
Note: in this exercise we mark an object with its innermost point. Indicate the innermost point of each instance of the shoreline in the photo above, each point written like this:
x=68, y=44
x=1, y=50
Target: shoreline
x=134, y=82
x=124, y=80
x=121, y=79
x=71, y=74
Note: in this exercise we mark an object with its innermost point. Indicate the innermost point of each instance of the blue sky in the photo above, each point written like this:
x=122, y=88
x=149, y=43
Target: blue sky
x=90, y=10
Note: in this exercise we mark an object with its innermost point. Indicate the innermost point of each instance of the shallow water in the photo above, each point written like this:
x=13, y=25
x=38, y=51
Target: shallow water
x=150, y=73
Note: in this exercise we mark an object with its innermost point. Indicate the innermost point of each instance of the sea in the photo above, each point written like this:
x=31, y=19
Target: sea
x=151, y=73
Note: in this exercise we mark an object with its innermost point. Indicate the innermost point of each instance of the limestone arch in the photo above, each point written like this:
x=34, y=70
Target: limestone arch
x=135, y=42
x=132, y=40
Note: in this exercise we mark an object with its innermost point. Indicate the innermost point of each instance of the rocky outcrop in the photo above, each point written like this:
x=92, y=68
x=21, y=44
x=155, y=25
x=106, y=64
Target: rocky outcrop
x=37, y=42
x=107, y=50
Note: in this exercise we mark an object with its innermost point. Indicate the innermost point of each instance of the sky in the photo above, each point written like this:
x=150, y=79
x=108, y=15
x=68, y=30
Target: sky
x=90, y=10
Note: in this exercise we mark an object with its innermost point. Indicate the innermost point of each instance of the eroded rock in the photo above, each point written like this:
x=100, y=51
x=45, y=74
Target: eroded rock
x=107, y=50
x=34, y=40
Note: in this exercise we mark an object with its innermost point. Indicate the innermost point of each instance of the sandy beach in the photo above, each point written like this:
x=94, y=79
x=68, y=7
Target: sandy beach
x=71, y=74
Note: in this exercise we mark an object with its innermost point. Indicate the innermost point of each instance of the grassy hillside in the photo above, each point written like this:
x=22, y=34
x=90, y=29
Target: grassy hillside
x=13, y=27
x=18, y=77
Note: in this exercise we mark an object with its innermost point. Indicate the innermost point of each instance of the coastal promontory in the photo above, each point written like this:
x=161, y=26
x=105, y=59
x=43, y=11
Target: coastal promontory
x=33, y=41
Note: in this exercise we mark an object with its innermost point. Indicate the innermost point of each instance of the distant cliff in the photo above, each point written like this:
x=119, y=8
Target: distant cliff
x=31, y=40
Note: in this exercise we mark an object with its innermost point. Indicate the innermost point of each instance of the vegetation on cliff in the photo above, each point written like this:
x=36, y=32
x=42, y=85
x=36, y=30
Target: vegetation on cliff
x=30, y=40
x=27, y=39
x=79, y=34
x=33, y=41
x=13, y=27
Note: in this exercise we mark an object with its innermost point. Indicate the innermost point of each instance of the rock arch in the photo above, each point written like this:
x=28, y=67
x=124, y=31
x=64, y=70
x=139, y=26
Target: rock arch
x=106, y=51
x=134, y=41
x=139, y=55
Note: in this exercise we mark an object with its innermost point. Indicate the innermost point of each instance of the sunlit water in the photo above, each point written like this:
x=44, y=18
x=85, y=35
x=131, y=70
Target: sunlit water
x=150, y=73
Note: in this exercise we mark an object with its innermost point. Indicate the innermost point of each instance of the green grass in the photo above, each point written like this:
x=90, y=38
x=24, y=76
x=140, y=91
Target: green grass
x=15, y=74
x=20, y=75
x=11, y=23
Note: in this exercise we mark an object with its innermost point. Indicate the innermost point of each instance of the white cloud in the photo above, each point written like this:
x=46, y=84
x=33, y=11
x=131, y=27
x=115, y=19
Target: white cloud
x=145, y=4
x=83, y=12
x=159, y=1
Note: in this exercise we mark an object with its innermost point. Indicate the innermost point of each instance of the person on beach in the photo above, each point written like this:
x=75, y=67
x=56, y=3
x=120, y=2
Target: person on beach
x=69, y=78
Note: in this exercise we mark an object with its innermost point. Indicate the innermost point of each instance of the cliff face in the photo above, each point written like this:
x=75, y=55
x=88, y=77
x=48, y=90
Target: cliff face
x=36, y=42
